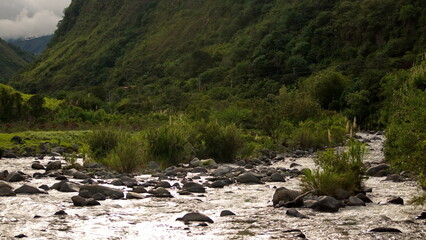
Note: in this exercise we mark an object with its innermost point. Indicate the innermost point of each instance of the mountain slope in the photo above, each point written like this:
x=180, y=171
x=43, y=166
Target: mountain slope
x=11, y=60
x=166, y=49
x=33, y=45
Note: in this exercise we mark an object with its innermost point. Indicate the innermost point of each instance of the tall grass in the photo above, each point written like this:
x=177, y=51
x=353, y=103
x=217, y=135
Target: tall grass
x=101, y=142
x=338, y=170
x=167, y=145
x=222, y=143
x=127, y=156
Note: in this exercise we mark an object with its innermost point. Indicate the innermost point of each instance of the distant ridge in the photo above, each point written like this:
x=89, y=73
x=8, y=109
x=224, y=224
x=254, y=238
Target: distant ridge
x=34, y=45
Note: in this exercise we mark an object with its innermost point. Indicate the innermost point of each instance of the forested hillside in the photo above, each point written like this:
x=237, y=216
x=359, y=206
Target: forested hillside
x=34, y=45
x=11, y=60
x=165, y=54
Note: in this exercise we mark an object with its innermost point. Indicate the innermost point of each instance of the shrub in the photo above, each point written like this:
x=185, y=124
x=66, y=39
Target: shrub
x=127, y=156
x=167, y=145
x=221, y=143
x=339, y=170
x=101, y=142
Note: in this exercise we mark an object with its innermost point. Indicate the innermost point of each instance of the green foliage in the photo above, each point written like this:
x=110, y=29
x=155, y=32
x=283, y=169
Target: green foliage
x=12, y=59
x=127, y=156
x=102, y=142
x=339, y=170
x=167, y=145
x=212, y=140
x=405, y=146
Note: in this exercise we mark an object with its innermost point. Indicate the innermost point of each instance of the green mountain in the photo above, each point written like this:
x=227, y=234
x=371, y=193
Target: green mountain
x=12, y=59
x=33, y=45
x=164, y=52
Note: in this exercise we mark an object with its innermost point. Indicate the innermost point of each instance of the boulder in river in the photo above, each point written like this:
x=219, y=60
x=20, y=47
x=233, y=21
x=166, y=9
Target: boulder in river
x=295, y=213
x=355, y=201
x=226, y=213
x=195, y=217
x=132, y=195
x=6, y=192
x=106, y=191
x=161, y=193
x=55, y=165
x=284, y=195
x=5, y=184
x=397, y=200
x=385, y=229
x=28, y=189
x=248, y=178
x=374, y=171
x=37, y=166
x=327, y=204
x=193, y=187
x=15, y=177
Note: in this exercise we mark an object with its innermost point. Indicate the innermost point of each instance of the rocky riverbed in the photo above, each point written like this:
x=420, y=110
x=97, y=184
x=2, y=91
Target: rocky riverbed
x=245, y=189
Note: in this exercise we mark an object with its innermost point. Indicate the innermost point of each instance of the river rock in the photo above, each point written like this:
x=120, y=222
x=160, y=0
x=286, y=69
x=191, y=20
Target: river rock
x=27, y=189
x=226, y=213
x=276, y=177
x=385, y=229
x=139, y=189
x=92, y=202
x=373, y=171
x=4, y=174
x=5, y=184
x=394, y=178
x=295, y=213
x=421, y=216
x=15, y=177
x=69, y=187
x=248, y=178
x=342, y=194
x=78, y=201
x=397, y=200
x=106, y=191
x=221, y=171
x=132, y=195
x=117, y=182
x=44, y=187
x=195, y=217
x=354, y=201
x=211, y=163
x=284, y=195
x=6, y=192
x=37, y=166
x=128, y=181
x=99, y=197
x=363, y=198
x=193, y=187
x=161, y=193
x=199, y=169
x=218, y=184
x=80, y=175
x=53, y=165
x=163, y=184
x=327, y=204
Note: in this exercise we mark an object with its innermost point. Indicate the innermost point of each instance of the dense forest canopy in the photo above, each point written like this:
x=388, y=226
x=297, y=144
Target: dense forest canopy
x=11, y=60
x=151, y=55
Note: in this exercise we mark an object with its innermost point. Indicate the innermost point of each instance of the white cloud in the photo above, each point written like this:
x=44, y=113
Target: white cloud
x=26, y=18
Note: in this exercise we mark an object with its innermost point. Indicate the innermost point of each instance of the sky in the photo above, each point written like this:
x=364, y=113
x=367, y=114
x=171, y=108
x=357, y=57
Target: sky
x=29, y=18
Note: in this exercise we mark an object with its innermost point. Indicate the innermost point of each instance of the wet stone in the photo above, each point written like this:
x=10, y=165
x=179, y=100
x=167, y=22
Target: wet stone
x=37, y=166
x=15, y=177
x=226, y=213
x=193, y=187
x=60, y=213
x=385, y=229
x=421, y=216
x=132, y=195
x=163, y=184
x=161, y=193
x=195, y=217
x=354, y=201
x=99, y=197
x=139, y=189
x=327, y=204
x=21, y=236
x=276, y=177
x=363, y=197
x=5, y=184
x=6, y=192
x=295, y=213
x=53, y=165
x=248, y=178
x=398, y=201
x=27, y=189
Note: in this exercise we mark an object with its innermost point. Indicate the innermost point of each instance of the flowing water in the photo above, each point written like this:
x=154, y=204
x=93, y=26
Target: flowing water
x=154, y=218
